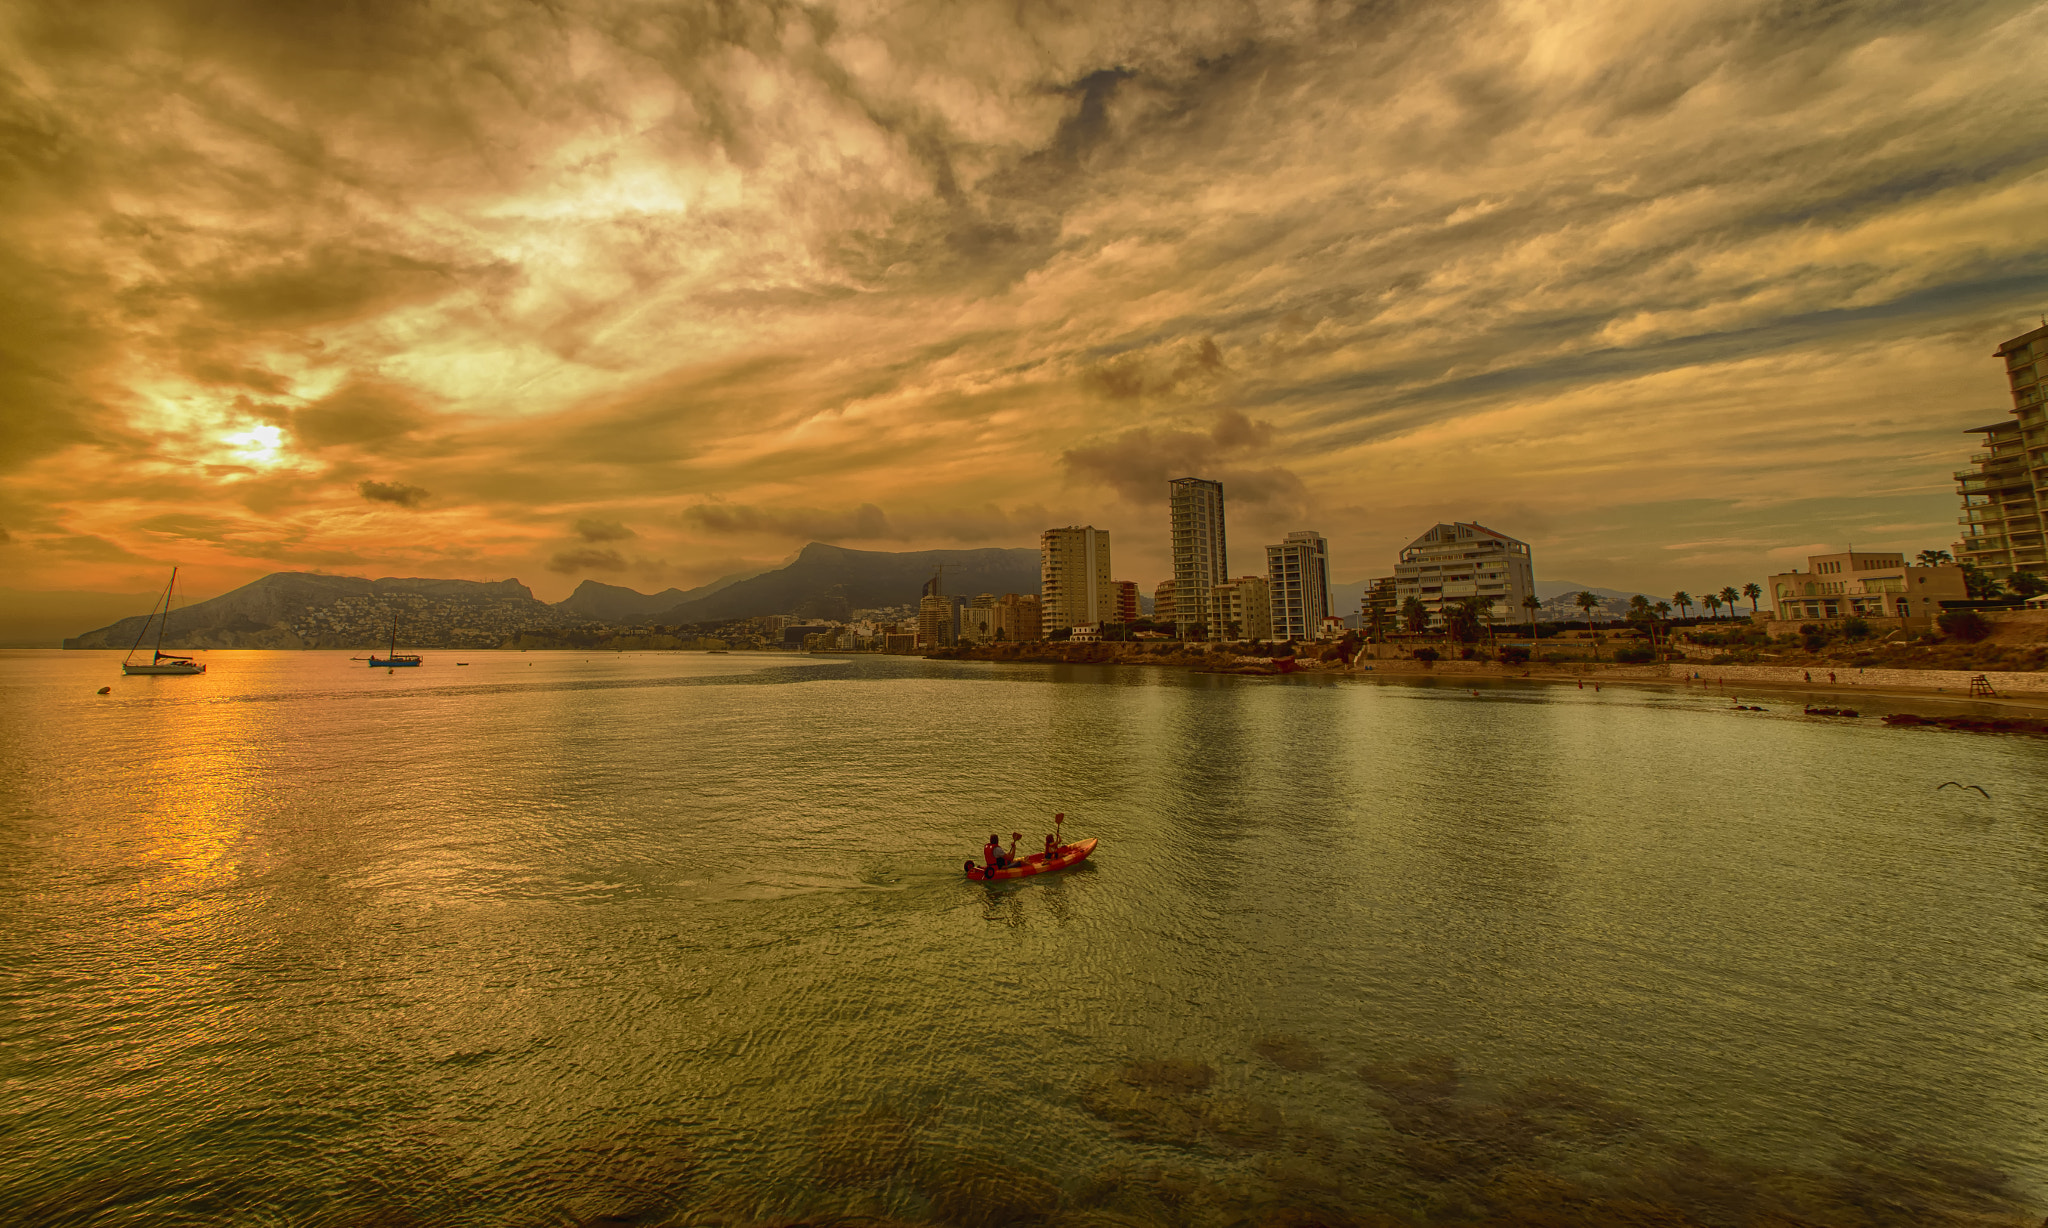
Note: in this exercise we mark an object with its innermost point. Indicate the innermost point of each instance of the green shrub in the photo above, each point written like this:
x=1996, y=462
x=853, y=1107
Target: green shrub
x=1424, y=654
x=1966, y=625
x=1514, y=654
x=1635, y=654
x=1558, y=658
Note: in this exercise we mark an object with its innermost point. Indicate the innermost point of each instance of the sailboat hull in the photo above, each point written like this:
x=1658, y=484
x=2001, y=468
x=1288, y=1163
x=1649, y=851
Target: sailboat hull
x=169, y=667
x=394, y=662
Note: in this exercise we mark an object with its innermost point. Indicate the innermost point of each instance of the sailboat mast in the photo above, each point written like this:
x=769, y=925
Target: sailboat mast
x=164, y=601
x=166, y=623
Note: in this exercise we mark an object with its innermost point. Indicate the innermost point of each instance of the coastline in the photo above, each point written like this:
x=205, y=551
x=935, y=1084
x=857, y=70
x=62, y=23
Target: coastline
x=1894, y=688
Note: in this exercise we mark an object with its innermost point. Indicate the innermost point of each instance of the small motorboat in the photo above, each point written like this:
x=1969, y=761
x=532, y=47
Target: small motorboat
x=1037, y=863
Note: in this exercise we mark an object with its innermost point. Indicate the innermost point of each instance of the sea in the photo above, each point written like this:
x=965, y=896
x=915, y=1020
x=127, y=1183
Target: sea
x=684, y=938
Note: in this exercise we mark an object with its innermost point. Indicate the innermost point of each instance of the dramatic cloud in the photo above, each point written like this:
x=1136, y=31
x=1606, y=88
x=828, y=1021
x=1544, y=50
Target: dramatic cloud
x=569, y=562
x=865, y=522
x=392, y=492
x=1617, y=278
x=603, y=530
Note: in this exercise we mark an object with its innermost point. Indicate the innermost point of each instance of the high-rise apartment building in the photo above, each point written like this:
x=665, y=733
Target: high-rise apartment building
x=2005, y=498
x=1244, y=608
x=1298, y=581
x=1124, y=609
x=1073, y=577
x=1200, y=559
x=934, y=621
x=1162, y=603
x=1455, y=561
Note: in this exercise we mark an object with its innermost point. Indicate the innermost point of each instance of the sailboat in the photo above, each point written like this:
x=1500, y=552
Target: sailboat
x=392, y=658
x=160, y=662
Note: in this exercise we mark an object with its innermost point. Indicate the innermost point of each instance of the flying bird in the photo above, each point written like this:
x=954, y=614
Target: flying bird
x=1950, y=784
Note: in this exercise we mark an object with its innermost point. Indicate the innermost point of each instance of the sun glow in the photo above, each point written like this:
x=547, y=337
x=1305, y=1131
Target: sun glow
x=261, y=445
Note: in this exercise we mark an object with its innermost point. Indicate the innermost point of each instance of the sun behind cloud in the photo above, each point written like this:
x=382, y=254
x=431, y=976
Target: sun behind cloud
x=407, y=289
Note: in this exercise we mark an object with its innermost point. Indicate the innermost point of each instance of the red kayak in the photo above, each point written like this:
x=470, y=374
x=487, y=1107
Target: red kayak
x=1037, y=863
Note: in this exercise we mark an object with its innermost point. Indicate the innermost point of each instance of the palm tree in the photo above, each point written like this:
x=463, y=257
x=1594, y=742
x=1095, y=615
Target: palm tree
x=1415, y=615
x=1589, y=603
x=1532, y=605
x=1683, y=600
x=1712, y=601
x=1729, y=597
x=1482, y=611
x=1753, y=590
x=1933, y=558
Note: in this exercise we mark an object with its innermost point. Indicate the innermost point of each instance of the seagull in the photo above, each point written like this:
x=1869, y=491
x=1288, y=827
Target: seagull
x=1950, y=784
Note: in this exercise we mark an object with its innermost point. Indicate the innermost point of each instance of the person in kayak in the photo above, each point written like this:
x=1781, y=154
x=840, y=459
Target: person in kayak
x=992, y=853
x=1052, y=846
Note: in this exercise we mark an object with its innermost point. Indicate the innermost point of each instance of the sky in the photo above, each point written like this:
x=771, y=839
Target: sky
x=654, y=293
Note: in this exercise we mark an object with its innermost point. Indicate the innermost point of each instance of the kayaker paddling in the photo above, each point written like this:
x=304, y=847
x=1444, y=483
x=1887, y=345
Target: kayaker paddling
x=1000, y=862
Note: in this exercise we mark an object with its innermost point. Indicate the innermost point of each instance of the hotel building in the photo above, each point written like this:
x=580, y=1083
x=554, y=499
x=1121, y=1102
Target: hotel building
x=1162, y=603
x=1298, y=579
x=1243, y=608
x=1863, y=585
x=2006, y=496
x=1455, y=561
x=1200, y=559
x=1073, y=577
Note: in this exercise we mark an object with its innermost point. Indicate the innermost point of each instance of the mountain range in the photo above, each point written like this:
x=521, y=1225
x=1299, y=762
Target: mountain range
x=306, y=610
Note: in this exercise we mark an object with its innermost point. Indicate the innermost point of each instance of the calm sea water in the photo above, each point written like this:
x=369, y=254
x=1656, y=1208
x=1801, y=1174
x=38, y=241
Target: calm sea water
x=552, y=938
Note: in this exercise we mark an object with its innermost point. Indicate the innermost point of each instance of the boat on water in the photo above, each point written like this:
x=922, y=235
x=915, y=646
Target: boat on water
x=394, y=659
x=1038, y=863
x=160, y=663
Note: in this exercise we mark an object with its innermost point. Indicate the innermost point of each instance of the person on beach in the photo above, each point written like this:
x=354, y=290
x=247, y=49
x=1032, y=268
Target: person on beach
x=1831, y=677
x=1809, y=675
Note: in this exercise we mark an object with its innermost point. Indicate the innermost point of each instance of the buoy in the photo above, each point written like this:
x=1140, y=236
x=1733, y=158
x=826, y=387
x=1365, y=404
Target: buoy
x=106, y=690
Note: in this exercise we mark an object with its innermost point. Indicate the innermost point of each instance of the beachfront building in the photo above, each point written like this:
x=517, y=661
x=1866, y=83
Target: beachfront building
x=1243, y=608
x=1200, y=559
x=1162, y=603
x=1124, y=603
x=935, y=626
x=1015, y=618
x=2005, y=498
x=1456, y=561
x=1863, y=584
x=978, y=619
x=1073, y=577
x=1298, y=581
x=1380, y=599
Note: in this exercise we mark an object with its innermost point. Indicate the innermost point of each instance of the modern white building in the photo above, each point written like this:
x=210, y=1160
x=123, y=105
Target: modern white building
x=1456, y=561
x=1200, y=558
x=1298, y=582
x=1074, y=589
